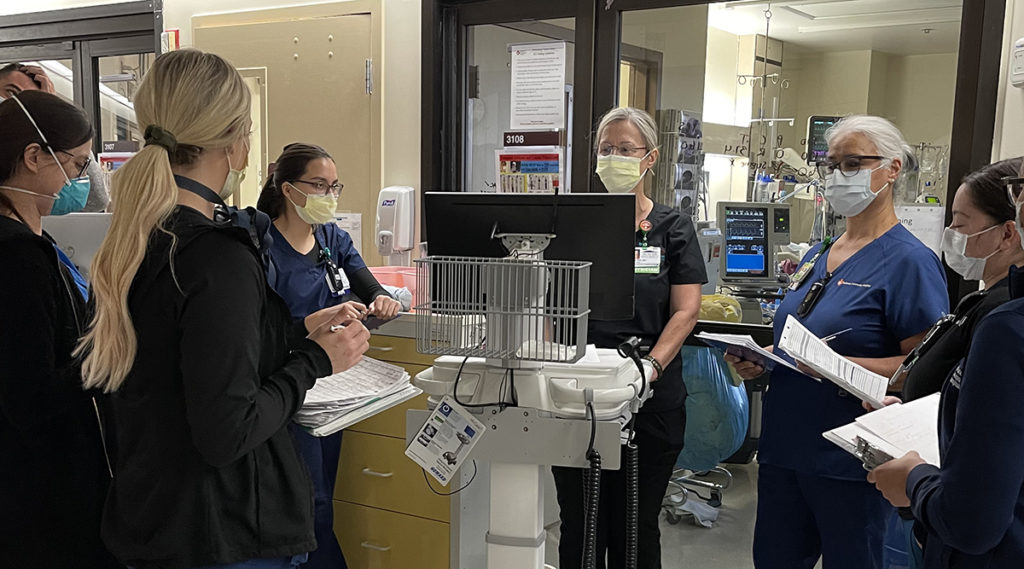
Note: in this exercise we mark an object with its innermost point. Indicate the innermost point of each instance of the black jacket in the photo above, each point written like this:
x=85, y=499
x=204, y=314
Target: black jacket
x=206, y=471
x=53, y=473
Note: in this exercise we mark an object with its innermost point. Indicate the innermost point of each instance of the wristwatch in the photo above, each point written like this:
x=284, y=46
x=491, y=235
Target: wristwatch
x=656, y=364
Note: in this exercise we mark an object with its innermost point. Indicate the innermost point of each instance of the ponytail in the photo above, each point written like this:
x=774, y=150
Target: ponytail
x=190, y=101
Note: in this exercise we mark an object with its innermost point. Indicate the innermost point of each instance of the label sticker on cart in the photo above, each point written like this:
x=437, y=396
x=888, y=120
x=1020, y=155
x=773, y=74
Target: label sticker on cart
x=446, y=440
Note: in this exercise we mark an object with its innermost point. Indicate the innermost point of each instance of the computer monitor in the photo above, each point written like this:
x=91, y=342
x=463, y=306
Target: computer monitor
x=79, y=235
x=752, y=234
x=589, y=227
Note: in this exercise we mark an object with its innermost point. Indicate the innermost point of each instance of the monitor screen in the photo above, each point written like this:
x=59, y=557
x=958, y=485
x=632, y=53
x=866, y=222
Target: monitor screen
x=746, y=242
x=817, y=147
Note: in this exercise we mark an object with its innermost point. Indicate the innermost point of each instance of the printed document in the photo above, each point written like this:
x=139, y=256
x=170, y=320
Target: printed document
x=813, y=352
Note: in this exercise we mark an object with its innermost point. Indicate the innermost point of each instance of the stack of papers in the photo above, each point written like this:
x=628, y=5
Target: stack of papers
x=345, y=398
x=744, y=347
x=814, y=353
x=894, y=430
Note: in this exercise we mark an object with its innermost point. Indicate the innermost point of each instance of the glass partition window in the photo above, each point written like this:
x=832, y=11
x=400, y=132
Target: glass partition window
x=489, y=88
x=119, y=80
x=733, y=87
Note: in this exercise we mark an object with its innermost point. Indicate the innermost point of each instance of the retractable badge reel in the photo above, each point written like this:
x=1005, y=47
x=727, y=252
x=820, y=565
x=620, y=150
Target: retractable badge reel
x=337, y=280
x=646, y=260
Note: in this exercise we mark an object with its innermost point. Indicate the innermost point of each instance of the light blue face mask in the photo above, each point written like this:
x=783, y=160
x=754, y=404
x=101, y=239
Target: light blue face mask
x=72, y=196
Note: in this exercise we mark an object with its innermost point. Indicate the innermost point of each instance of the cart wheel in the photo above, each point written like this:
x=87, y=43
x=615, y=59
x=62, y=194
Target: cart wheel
x=716, y=499
x=673, y=518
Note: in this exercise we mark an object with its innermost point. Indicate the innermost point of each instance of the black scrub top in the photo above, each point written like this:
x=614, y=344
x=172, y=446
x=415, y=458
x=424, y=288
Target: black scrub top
x=931, y=370
x=681, y=263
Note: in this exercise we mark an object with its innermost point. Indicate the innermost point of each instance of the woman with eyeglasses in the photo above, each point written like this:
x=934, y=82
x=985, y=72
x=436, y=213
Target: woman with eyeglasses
x=879, y=290
x=969, y=514
x=315, y=266
x=981, y=243
x=668, y=274
x=54, y=469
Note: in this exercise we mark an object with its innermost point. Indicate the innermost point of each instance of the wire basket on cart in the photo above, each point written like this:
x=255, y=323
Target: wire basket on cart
x=510, y=309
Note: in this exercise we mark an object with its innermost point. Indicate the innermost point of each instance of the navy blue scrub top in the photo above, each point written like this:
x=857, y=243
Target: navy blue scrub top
x=892, y=289
x=302, y=281
x=972, y=510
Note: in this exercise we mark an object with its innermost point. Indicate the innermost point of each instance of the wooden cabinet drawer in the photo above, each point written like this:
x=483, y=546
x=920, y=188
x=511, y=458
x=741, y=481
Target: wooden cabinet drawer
x=391, y=423
x=397, y=350
x=374, y=471
x=377, y=539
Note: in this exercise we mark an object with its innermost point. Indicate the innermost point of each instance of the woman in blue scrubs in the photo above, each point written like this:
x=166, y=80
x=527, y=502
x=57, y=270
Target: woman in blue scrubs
x=970, y=512
x=886, y=288
x=314, y=264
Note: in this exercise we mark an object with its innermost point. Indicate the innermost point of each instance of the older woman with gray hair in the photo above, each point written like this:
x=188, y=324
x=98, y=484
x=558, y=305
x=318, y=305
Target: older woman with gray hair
x=668, y=274
x=884, y=288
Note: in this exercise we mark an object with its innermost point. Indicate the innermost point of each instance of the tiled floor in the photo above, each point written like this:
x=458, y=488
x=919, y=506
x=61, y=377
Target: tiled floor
x=728, y=542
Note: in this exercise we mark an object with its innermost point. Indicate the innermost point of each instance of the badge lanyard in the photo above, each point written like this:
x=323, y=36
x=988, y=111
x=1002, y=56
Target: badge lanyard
x=647, y=260
x=797, y=279
x=337, y=280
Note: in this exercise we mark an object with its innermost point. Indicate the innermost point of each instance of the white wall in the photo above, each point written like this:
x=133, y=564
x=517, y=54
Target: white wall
x=1009, y=135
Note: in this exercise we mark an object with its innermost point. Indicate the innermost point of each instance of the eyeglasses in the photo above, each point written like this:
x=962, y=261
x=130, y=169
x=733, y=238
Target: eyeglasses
x=321, y=188
x=82, y=168
x=848, y=165
x=813, y=296
x=609, y=149
x=1014, y=185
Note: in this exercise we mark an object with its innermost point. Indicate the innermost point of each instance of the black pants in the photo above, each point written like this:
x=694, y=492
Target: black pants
x=659, y=439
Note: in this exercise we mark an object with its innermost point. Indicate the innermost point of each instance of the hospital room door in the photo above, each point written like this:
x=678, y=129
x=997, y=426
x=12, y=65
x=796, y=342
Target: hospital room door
x=319, y=89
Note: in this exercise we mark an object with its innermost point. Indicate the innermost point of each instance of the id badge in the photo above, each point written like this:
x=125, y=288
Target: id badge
x=647, y=260
x=337, y=281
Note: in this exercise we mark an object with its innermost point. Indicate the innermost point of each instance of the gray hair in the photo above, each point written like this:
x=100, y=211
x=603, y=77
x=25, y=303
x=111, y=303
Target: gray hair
x=886, y=137
x=637, y=117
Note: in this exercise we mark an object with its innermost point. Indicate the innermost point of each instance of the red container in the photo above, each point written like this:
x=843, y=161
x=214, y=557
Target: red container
x=397, y=276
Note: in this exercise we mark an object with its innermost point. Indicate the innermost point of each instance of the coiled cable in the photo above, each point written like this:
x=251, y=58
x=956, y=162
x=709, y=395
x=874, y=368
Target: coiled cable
x=591, y=495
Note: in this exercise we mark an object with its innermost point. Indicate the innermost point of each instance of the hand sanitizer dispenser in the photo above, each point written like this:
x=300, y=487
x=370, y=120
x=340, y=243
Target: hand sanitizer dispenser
x=396, y=224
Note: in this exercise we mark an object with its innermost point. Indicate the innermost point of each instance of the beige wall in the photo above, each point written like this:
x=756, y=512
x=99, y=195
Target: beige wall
x=680, y=34
x=400, y=71
x=919, y=96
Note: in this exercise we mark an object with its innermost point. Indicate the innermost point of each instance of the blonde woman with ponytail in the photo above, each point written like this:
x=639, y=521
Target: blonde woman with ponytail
x=205, y=364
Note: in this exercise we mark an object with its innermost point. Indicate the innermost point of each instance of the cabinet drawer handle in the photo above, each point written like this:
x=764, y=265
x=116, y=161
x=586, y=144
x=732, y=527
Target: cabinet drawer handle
x=369, y=472
x=383, y=348
x=368, y=545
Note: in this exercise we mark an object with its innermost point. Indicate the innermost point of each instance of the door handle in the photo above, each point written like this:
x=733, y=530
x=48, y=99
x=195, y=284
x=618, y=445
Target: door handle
x=383, y=348
x=369, y=472
x=368, y=545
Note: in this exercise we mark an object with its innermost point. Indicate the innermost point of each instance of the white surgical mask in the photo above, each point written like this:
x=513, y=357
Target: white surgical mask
x=851, y=195
x=954, y=250
x=233, y=181
x=1020, y=223
x=620, y=174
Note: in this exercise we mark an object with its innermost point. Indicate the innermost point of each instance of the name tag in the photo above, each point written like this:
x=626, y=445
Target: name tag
x=647, y=260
